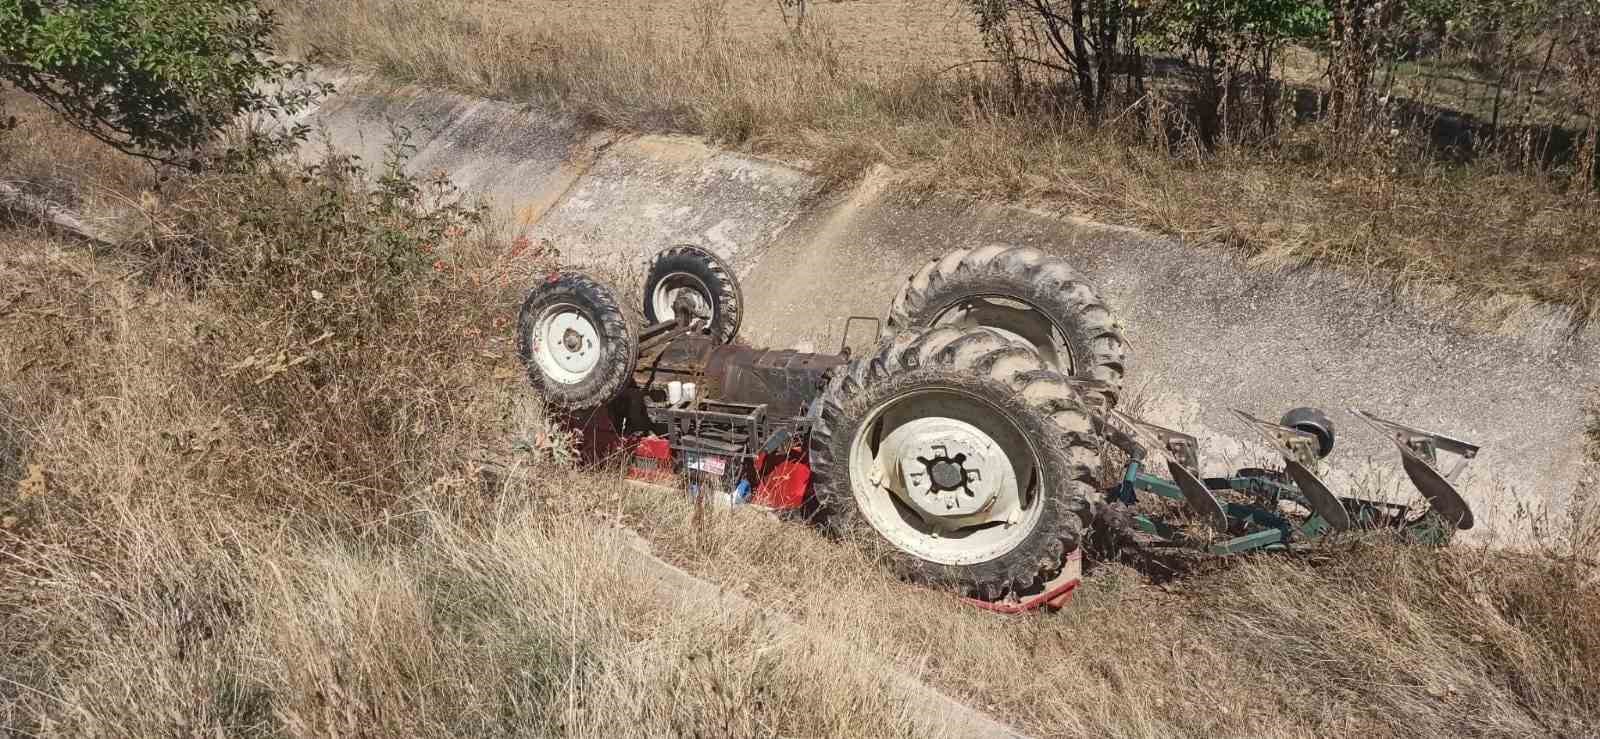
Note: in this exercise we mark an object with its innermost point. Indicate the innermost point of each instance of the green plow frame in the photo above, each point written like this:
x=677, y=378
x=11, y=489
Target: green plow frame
x=1254, y=518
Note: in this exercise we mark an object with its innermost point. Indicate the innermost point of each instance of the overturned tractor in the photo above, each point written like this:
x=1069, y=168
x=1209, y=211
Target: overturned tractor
x=976, y=439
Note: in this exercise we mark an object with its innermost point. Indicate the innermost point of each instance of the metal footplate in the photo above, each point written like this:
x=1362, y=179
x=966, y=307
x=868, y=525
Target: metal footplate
x=1299, y=450
x=1419, y=454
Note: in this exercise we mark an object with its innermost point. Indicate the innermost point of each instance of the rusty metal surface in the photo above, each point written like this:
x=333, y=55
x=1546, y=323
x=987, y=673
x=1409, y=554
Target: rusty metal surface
x=786, y=381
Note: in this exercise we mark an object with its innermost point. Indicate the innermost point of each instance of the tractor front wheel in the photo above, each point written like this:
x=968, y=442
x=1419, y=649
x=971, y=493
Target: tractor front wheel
x=700, y=280
x=575, y=341
x=964, y=454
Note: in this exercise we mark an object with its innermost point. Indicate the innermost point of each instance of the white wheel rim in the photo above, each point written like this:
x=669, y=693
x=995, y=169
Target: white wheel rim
x=1016, y=320
x=947, y=477
x=565, y=344
x=675, y=284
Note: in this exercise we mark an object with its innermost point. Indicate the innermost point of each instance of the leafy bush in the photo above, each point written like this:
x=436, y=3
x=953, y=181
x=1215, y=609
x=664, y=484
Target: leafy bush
x=341, y=299
x=157, y=79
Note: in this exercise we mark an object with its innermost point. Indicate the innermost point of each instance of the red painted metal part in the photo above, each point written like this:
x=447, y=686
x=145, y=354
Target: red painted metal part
x=1056, y=594
x=652, y=460
x=598, y=440
x=784, y=486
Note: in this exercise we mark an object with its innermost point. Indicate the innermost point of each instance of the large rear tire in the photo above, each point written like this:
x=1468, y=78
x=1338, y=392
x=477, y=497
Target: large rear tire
x=958, y=449
x=1026, y=295
x=576, y=343
x=688, y=272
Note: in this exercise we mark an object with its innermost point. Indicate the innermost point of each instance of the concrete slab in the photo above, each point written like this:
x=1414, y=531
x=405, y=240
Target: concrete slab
x=520, y=160
x=646, y=193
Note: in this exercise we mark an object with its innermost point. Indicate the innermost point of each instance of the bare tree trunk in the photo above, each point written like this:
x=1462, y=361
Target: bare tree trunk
x=1106, y=44
x=1136, y=55
x=1086, y=91
x=1267, y=91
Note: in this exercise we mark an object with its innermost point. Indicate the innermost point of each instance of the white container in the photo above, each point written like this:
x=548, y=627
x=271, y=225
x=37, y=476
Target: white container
x=689, y=390
x=674, y=393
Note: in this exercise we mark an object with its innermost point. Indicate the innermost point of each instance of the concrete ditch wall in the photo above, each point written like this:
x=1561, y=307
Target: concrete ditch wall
x=1209, y=332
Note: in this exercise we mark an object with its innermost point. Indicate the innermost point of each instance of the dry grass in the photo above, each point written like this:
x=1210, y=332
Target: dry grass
x=1394, y=215
x=200, y=534
x=209, y=523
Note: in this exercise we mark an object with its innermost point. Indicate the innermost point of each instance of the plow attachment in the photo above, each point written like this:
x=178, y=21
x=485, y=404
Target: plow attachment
x=1419, y=453
x=1258, y=508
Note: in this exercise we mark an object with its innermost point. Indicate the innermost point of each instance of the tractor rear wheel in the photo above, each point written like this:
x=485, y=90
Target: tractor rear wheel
x=1027, y=296
x=577, y=344
x=701, y=279
x=963, y=453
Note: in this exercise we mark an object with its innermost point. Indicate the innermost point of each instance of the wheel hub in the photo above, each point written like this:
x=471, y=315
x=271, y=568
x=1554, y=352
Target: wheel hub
x=948, y=469
x=947, y=474
x=567, y=345
x=681, y=290
x=946, y=477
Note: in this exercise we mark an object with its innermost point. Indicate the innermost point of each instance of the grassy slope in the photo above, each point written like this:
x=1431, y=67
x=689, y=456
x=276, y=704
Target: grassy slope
x=1391, y=216
x=363, y=543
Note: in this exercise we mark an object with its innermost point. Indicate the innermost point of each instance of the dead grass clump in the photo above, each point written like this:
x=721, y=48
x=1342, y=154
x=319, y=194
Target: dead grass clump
x=528, y=628
x=1416, y=641
x=1375, y=638
x=267, y=487
x=63, y=165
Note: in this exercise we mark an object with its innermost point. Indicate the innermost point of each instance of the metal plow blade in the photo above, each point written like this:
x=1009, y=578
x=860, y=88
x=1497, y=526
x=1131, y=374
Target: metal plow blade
x=1198, y=497
x=1299, y=450
x=1419, y=454
x=1142, y=439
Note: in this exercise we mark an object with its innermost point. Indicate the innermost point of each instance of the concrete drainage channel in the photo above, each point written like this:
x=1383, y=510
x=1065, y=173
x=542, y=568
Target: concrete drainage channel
x=1208, y=332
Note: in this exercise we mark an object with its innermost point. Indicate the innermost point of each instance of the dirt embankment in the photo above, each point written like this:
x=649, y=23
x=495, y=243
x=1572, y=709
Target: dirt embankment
x=873, y=36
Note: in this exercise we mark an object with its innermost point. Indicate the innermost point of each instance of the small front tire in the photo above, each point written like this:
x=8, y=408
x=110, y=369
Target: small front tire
x=577, y=345
x=702, y=279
